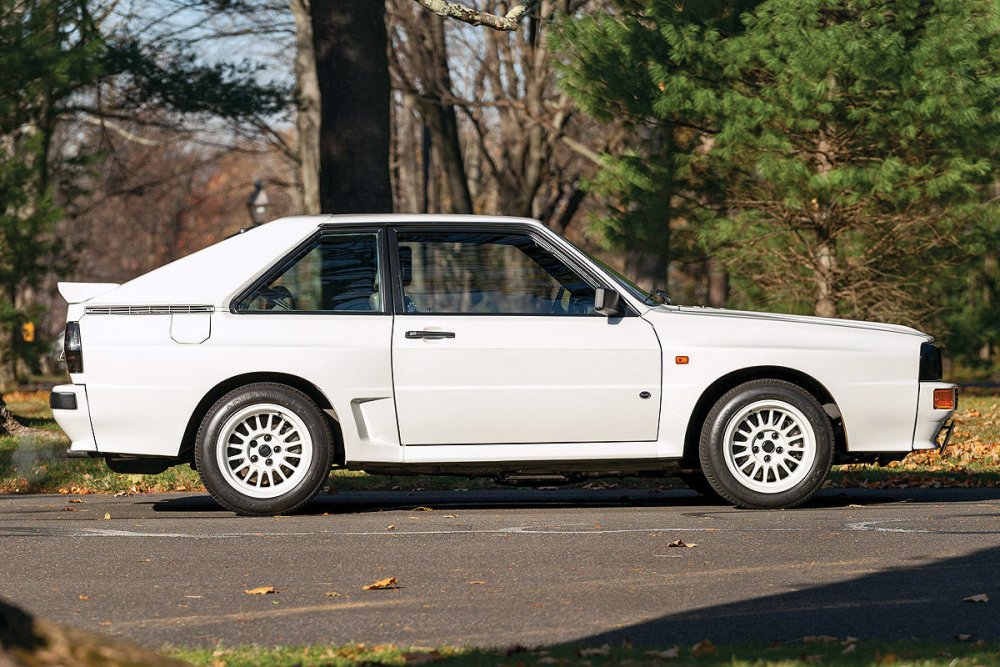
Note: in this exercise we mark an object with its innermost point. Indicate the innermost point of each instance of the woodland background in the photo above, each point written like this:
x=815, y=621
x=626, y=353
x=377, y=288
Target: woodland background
x=831, y=157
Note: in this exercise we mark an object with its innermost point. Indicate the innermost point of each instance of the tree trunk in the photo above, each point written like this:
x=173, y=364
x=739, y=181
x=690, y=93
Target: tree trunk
x=349, y=38
x=442, y=120
x=718, y=283
x=307, y=119
x=826, y=265
x=648, y=270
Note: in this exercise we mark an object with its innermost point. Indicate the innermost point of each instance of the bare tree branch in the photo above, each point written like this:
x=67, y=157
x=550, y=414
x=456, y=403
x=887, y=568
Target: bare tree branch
x=457, y=10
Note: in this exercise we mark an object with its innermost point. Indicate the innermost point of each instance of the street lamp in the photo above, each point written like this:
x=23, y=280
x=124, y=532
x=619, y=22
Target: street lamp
x=258, y=204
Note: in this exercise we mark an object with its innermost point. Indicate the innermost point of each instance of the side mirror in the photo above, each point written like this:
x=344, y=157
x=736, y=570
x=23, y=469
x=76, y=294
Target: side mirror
x=607, y=302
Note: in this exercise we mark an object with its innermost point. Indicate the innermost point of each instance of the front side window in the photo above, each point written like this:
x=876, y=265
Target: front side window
x=337, y=273
x=488, y=273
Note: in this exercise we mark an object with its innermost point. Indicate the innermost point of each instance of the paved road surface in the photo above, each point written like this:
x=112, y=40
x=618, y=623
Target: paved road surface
x=509, y=567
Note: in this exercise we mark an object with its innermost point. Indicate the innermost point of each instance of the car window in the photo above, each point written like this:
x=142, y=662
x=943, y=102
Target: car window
x=337, y=273
x=488, y=273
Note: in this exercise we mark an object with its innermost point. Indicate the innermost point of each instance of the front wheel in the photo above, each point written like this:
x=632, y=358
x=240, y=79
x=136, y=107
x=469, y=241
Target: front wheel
x=264, y=449
x=766, y=444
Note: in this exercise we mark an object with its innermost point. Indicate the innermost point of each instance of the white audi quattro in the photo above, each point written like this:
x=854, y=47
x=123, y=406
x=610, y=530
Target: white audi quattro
x=474, y=346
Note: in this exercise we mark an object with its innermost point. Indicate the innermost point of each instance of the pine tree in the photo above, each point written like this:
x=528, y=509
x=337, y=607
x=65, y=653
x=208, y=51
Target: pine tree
x=843, y=146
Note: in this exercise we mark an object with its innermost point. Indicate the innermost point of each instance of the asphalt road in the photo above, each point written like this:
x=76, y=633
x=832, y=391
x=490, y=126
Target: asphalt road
x=509, y=567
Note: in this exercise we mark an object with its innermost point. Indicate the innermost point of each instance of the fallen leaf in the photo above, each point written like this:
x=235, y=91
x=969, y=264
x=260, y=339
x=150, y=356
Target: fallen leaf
x=422, y=509
x=71, y=509
x=601, y=650
x=477, y=582
x=106, y=623
x=981, y=597
x=193, y=597
x=107, y=516
x=391, y=526
x=64, y=491
x=332, y=594
x=74, y=500
x=855, y=506
x=668, y=654
x=261, y=590
x=682, y=543
x=704, y=647
x=451, y=516
x=382, y=584
x=84, y=597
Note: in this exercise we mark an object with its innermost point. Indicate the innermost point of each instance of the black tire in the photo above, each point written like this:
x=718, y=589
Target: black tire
x=766, y=444
x=285, y=434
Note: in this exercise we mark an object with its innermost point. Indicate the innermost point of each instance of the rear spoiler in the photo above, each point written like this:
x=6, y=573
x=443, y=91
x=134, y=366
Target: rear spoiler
x=80, y=292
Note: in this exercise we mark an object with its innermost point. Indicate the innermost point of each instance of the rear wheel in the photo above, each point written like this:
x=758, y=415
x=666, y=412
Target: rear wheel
x=766, y=444
x=264, y=449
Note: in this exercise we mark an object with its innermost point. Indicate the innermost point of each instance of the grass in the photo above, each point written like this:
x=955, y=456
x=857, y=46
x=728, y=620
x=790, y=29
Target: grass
x=810, y=650
x=35, y=462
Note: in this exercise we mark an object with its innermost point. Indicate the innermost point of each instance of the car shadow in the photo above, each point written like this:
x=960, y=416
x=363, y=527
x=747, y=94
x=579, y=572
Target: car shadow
x=352, y=502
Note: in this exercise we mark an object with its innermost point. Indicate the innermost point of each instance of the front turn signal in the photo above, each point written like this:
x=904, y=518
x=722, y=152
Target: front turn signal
x=946, y=399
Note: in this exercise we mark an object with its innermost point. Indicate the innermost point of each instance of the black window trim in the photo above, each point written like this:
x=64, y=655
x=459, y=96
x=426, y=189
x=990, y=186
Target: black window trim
x=385, y=276
x=595, y=279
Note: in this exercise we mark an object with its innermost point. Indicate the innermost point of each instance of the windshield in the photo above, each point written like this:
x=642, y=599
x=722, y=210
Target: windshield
x=630, y=287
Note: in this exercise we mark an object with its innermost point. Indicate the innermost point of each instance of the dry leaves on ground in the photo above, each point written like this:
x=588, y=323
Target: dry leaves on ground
x=980, y=597
x=704, y=647
x=382, y=584
x=683, y=544
x=261, y=590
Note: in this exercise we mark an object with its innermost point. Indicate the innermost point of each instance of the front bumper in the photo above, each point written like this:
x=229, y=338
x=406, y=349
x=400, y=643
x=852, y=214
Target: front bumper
x=931, y=422
x=71, y=411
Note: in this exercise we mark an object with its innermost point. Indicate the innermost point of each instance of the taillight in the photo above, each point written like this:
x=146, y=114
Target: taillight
x=73, y=348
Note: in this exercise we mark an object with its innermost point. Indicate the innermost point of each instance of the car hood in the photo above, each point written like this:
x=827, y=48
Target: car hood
x=781, y=317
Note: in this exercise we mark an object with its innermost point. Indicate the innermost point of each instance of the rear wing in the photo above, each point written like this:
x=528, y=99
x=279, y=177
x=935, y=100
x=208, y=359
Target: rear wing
x=80, y=292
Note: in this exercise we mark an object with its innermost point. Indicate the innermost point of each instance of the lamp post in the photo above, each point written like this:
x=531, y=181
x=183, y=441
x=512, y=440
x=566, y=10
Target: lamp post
x=258, y=204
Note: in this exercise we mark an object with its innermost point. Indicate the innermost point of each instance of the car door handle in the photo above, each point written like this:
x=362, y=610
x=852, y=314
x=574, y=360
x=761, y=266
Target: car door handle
x=430, y=335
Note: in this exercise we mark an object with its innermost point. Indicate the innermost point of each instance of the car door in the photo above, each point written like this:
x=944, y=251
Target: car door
x=495, y=341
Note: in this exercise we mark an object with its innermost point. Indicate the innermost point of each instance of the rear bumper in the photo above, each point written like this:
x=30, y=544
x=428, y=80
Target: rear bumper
x=71, y=411
x=930, y=422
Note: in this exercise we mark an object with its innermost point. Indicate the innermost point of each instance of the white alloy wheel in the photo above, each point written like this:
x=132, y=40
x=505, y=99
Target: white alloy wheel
x=264, y=450
x=766, y=444
x=770, y=446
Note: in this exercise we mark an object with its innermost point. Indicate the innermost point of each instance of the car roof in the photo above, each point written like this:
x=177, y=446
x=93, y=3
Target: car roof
x=211, y=276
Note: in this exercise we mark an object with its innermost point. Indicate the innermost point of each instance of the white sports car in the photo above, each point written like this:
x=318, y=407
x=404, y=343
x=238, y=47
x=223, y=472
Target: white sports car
x=474, y=346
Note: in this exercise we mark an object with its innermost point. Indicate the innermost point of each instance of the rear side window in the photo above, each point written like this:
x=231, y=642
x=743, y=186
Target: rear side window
x=337, y=273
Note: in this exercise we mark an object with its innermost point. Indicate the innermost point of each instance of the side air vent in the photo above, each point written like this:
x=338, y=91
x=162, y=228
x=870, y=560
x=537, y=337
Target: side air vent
x=147, y=310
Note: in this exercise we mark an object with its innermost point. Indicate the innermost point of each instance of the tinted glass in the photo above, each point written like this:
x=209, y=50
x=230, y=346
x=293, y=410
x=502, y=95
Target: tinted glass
x=337, y=274
x=511, y=274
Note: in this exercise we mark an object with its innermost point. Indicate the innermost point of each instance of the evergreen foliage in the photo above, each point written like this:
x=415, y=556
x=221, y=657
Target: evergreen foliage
x=835, y=153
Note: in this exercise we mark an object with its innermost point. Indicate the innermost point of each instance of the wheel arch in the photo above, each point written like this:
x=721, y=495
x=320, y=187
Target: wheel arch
x=723, y=384
x=294, y=381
